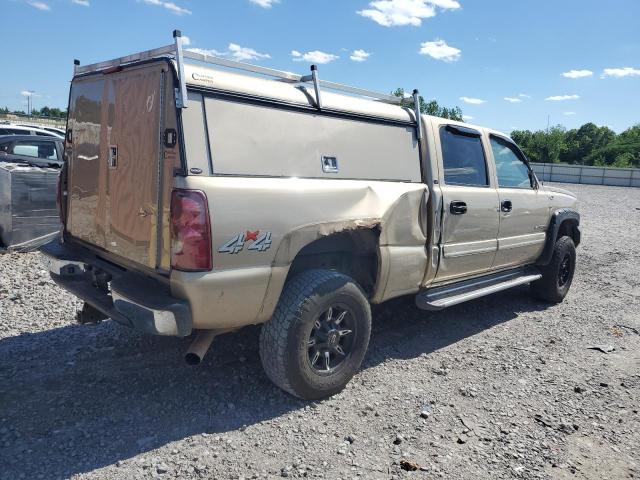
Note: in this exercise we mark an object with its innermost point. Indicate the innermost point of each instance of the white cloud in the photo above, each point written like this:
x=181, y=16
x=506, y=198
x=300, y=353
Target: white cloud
x=621, y=72
x=560, y=98
x=244, y=53
x=234, y=50
x=467, y=117
x=172, y=7
x=524, y=95
x=176, y=9
x=84, y=3
x=577, y=73
x=316, y=56
x=393, y=13
x=186, y=41
x=439, y=50
x=40, y=6
x=568, y=113
x=359, y=55
x=265, y=3
x=207, y=51
x=473, y=101
x=513, y=99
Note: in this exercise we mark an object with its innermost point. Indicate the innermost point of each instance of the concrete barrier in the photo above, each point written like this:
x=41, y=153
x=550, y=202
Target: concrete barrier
x=557, y=172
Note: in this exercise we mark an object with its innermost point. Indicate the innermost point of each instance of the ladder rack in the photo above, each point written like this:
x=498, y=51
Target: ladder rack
x=177, y=51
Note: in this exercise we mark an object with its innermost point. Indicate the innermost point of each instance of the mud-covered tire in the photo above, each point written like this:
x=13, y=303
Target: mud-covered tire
x=557, y=275
x=307, y=300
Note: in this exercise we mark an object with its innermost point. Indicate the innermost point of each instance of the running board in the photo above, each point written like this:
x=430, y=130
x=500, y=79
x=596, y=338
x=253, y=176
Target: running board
x=442, y=297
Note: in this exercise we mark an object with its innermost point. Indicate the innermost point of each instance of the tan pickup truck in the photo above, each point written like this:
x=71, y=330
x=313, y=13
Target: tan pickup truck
x=198, y=200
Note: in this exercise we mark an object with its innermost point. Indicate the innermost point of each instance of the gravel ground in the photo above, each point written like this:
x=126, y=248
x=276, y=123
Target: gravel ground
x=501, y=387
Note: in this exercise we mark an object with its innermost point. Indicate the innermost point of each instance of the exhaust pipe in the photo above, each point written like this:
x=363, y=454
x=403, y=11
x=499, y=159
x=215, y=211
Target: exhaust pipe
x=198, y=348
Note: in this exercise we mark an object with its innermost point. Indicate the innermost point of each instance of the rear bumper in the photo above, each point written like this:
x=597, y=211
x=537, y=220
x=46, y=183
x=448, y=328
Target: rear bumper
x=135, y=300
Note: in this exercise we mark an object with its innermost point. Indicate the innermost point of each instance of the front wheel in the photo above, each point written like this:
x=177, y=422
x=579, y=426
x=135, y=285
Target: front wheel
x=318, y=335
x=557, y=275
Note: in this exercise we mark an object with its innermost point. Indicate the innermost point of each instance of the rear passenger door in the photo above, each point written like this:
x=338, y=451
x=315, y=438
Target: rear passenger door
x=470, y=204
x=524, y=209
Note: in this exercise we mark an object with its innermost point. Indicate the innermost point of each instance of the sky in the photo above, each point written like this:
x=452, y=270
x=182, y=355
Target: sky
x=509, y=64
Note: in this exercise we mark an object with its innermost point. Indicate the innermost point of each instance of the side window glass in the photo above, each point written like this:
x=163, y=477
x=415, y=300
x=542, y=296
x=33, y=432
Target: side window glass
x=463, y=157
x=511, y=169
x=35, y=149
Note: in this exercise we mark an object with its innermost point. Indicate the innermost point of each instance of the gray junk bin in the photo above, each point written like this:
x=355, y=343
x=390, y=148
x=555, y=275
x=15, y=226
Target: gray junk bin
x=28, y=211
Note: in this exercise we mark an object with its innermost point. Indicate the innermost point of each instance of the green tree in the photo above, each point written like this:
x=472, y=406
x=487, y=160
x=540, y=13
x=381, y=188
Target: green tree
x=433, y=108
x=590, y=138
x=542, y=146
x=587, y=145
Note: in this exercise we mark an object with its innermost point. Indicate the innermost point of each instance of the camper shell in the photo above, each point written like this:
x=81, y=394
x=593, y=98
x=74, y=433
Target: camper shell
x=204, y=199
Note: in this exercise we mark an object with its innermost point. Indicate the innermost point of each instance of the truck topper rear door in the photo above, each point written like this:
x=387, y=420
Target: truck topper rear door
x=120, y=171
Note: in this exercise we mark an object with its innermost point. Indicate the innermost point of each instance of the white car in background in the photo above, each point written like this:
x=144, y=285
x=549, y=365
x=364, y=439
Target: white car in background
x=10, y=129
x=56, y=130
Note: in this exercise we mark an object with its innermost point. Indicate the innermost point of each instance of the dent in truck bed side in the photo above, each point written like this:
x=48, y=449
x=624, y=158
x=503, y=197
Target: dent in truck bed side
x=243, y=287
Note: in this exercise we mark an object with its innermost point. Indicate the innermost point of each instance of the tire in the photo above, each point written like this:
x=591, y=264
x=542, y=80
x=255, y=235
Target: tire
x=319, y=310
x=557, y=275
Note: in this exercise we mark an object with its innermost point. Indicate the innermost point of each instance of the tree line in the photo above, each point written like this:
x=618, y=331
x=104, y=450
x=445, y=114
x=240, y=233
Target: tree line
x=42, y=112
x=587, y=145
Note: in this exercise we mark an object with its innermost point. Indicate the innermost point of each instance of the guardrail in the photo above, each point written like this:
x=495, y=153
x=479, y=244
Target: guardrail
x=558, y=172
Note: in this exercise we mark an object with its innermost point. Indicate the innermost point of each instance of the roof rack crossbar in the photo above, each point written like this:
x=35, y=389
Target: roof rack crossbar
x=175, y=50
x=293, y=77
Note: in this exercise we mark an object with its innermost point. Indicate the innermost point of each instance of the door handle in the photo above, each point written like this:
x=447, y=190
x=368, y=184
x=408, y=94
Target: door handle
x=458, y=207
x=506, y=206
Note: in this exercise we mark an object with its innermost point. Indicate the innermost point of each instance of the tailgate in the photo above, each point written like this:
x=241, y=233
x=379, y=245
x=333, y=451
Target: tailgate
x=120, y=170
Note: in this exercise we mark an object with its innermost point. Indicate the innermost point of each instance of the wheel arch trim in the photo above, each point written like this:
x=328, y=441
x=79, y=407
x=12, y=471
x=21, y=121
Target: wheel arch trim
x=558, y=218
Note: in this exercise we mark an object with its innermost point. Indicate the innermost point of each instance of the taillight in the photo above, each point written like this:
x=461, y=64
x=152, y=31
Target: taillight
x=190, y=231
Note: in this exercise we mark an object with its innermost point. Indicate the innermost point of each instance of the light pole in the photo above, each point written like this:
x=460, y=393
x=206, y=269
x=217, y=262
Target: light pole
x=29, y=101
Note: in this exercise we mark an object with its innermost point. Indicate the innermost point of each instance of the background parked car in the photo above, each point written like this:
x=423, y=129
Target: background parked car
x=55, y=130
x=29, y=168
x=33, y=150
x=10, y=129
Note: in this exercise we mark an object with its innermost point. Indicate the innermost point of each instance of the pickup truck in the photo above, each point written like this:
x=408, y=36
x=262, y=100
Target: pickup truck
x=199, y=200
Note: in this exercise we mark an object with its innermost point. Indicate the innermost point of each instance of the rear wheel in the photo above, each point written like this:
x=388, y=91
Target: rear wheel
x=557, y=275
x=318, y=335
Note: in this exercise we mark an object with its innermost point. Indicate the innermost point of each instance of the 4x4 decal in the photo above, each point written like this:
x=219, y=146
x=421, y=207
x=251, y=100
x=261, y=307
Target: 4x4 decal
x=261, y=241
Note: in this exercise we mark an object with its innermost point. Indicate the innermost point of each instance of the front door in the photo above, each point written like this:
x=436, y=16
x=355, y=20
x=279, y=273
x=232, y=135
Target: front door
x=524, y=214
x=470, y=205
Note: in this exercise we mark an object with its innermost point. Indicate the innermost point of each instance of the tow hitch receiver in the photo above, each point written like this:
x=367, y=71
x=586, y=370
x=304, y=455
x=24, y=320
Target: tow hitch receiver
x=89, y=315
